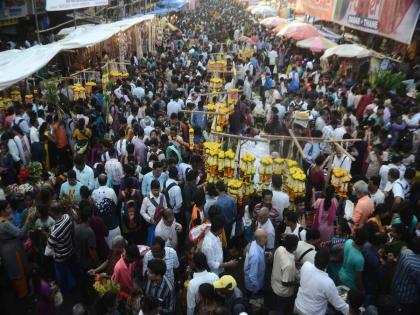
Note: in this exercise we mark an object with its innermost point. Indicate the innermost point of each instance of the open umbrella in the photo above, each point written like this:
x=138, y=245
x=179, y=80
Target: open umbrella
x=347, y=51
x=316, y=44
x=247, y=39
x=298, y=31
x=264, y=10
x=273, y=21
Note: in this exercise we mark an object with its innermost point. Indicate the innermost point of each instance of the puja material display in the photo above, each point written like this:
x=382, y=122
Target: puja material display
x=235, y=189
x=103, y=285
x=217, y=66
x=216, y=84
x=340, y=179
x=295, y=183
x=211, y=151
x=246, y=53
x=29, y=99
x=16, y=96
x=247, y=172
x=78, y=92
x=265, y=172
x=88, y=88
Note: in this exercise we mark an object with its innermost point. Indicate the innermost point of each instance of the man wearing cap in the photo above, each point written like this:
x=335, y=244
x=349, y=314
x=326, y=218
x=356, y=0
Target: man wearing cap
x=226, y=286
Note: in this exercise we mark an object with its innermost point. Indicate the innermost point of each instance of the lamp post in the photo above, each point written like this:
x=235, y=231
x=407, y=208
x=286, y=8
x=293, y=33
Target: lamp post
x=34, y=11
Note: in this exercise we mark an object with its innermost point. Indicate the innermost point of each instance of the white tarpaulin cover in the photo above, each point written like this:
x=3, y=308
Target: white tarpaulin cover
x=61, y=5
x=347, y=51
x=16, y=65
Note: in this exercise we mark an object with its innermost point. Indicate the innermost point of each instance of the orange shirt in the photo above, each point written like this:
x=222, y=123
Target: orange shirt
x=362, y=211
x=60, y=136
x=196, y=214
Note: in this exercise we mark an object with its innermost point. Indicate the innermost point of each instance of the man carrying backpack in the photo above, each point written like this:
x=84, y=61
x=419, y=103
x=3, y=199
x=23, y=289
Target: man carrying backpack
x=19, y=121
x=152, y=209
x=173, y=193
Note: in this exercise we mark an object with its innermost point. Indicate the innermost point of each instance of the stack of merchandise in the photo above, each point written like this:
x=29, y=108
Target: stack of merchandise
x=340, y=179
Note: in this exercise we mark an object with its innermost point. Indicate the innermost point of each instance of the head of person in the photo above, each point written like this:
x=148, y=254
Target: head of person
x=360, y=237
x=410, y=175
x=291, y=242
x=86, y=213
x=220, y=187
x=360, y=189
x=5, y=208
x=156, y=269
x=277, y=182
x=157, y=169
x=71, y=177
x=207, y=292
x=393, y=174
x=260, y=237
x=155, y=187
x=79, y=309
x=168, y=217
x=225, y=285
x=291, y=219
x=374, y=183
x=200, y=262
x=211, y=190
x=263, y=215
x=107, y=303
x=199, y=198
x=118, y=244
x=191, y=176
x=217, y=224
x=102, y=179
x=267, y=197
x=343, y=229
x=150, y=305
x=322, y=258
x=29, y=199
x=158, y=247
x=173, y=172
x=313, y=236
x=131, y=254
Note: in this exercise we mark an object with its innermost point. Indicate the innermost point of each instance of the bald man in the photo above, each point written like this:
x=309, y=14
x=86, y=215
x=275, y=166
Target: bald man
x=265, y=224
x=254, y=267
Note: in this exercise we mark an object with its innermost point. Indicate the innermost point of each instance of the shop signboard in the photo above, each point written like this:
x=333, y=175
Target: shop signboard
x=61, y=5
x=321, y=9
x=11, y=9
x=395, y=19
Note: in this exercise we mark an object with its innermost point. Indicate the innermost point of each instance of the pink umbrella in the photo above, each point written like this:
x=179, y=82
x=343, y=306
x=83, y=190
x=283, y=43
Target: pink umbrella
x=247, y=40
x=298, y=31
x=316, y=44
x=273, y=21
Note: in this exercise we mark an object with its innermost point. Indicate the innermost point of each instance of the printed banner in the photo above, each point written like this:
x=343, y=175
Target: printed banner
x=395, y=19
x=321, y=9
x=11, y=9
x=61, y=5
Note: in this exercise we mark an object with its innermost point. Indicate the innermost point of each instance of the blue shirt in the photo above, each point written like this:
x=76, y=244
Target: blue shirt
x=254, y=268
x=147, y=181
x=199, y=120
x=406, y=284
x=227, y=206
x=66, y=189
x=311, y=151
x=353, y=262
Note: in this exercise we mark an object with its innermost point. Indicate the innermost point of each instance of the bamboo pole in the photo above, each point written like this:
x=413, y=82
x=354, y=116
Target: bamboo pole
x=201, y=112
x=308, y=139
x=297, y=143
x=216, y=93
x=340, y=147
x=227, y=135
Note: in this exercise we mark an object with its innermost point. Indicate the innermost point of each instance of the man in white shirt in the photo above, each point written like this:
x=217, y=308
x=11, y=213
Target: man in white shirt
x=317, y=289
x=401, y=189
x=339, y=132
x=272, y=58
x=376, y=194
x=248, y=87
x=293, y=227
x=175, y=105
x=281, y=108
x=305, y=251
x=341, y=160
x=84, y=173
x=138, y=91
x=168, y=229
x=396, y=162
x=283, y=276
x=280, y=200
x=320, y=121
x=212, y=246
x=200, y=276
x=265, y=224
x=174, y=191
x=113, y=169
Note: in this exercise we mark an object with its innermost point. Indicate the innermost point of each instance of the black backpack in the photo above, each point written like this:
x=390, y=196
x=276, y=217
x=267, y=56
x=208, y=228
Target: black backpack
x=165, y=192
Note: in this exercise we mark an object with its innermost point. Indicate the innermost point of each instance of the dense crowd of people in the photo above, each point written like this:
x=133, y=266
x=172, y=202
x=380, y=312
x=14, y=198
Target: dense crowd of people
x=122, y=195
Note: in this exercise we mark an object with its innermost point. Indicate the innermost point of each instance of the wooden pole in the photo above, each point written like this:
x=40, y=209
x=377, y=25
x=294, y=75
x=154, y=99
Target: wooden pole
x=297, y=144
x=308, y=139
x=340, y=147
x=227, y=135
x=201, y=112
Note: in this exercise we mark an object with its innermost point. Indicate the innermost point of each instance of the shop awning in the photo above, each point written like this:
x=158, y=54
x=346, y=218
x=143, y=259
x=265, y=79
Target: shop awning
x=16, y=65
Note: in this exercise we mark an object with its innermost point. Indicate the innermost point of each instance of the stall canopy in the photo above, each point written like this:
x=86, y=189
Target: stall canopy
x=16, y=65
x=347, y=51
